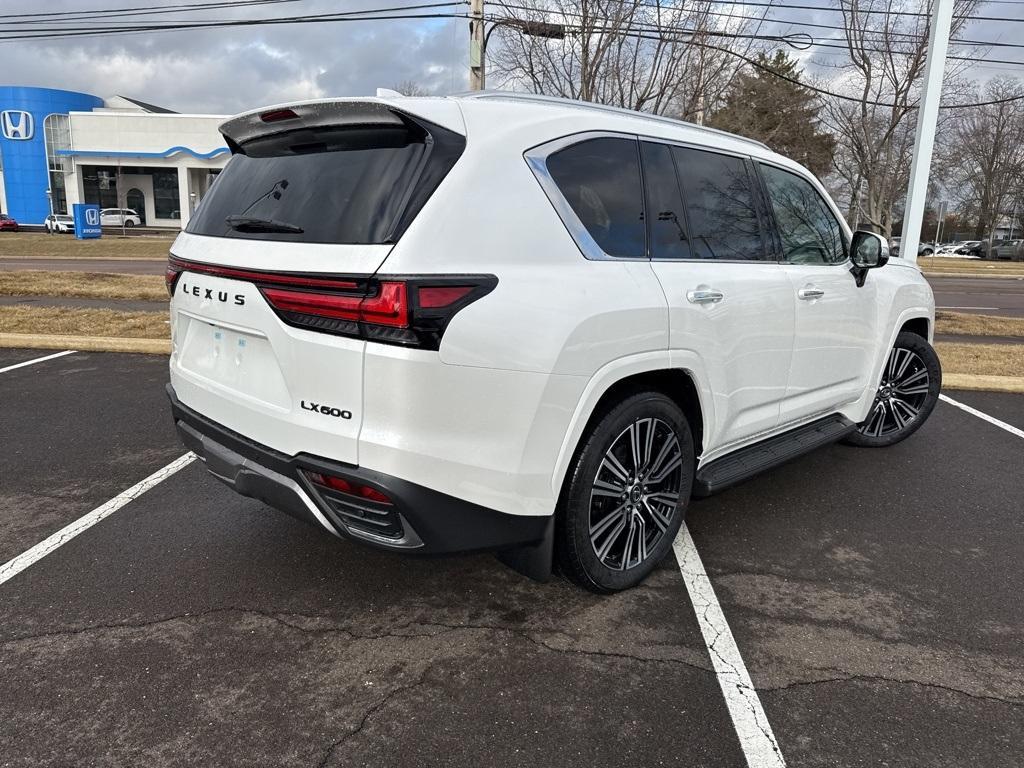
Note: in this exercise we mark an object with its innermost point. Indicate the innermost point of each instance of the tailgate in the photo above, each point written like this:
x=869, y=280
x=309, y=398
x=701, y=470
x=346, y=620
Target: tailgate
x=234, y=361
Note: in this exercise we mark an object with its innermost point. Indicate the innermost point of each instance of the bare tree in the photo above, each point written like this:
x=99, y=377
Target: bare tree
x=983, y=155
x=410, y=88
x=653, y=56
x=887, y=44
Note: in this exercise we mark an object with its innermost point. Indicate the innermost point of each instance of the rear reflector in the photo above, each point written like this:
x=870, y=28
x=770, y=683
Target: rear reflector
x=341, y=485
x=409, y=311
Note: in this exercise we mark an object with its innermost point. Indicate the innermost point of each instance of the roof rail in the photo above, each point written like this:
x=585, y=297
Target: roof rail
x=537, y=98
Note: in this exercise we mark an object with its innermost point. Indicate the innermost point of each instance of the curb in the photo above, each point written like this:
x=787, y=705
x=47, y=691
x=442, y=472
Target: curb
x=982, y=383
x=84, y=258
x=85, y=343
x=998, y=276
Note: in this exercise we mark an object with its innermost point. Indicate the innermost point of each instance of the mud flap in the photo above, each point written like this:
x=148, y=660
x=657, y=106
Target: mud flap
x=533, y=560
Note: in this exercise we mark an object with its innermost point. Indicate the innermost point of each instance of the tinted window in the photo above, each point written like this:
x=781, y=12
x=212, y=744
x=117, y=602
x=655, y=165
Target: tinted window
x=666, y=220
x=720, y=204
x=809, y=232
x=356, y=184
x=600, y=179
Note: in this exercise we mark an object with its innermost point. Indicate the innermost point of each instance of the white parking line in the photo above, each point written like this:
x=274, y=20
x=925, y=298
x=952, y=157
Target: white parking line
x=757, y=741
x=12, y=568
x=990, y=419
x=967, y=307
x=37, y=360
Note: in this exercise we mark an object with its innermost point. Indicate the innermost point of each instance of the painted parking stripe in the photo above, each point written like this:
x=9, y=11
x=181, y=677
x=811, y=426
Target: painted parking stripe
x=760, y=748
x=990, y=419
x=12, y=568
x=37, y=360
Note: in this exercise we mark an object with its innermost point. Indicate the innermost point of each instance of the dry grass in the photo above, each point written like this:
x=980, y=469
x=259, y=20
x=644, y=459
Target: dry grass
x=35, y=245
x=85, y=285
x=963, y=324
x=67, y=321
x=934, y=265
x=982, y=359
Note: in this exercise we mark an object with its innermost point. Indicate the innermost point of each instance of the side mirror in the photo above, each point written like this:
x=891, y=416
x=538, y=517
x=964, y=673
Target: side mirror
x=867, y=251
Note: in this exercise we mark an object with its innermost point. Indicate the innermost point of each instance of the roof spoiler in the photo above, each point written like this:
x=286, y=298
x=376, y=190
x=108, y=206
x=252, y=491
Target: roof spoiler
x=320, y=114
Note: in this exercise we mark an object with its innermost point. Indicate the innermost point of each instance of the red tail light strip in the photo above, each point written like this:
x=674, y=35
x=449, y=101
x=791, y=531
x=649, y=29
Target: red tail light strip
x=411, y=311
x=389, y=307
x=274, y=278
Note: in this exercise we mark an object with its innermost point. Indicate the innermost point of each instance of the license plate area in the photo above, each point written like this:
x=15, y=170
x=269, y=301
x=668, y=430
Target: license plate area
x=235, y=360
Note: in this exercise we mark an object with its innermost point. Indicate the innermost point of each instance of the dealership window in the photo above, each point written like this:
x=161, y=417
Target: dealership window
x=57, y=136
x=165, y=194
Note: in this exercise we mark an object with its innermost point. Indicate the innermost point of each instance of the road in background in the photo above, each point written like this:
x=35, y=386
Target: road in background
x=979, y=295
x=126, y=266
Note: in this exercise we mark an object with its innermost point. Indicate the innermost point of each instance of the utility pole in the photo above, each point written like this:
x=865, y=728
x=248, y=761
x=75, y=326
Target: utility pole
x=927, y=117
x=477, y=76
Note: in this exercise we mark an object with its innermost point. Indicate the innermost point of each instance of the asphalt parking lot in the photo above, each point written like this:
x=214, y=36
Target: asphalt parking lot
x=874, y=596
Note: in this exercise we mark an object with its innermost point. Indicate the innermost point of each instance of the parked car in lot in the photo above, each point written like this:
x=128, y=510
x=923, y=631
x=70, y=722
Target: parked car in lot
x=59, y=223
x=970, y=248
x=7, y=224
x=117, y=217
x=527, y=325
x=923, y=249
x=1007, y=250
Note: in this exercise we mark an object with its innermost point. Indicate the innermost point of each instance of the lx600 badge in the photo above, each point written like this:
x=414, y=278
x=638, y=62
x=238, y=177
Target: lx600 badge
x=325, y=410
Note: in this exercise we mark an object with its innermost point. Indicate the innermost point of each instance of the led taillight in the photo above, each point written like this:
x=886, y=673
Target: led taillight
x=341, y=485
x=171, y=275
x=408, y=311
x=389, y=307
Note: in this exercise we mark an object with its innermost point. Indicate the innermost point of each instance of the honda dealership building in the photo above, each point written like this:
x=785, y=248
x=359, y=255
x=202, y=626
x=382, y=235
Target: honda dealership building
x=58, y=148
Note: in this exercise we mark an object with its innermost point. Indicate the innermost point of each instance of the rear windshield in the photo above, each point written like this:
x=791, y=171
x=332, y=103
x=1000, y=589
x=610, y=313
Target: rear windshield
x=353, y=185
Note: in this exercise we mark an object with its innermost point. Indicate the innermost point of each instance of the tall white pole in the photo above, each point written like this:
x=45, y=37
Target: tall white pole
x=927, y=117
x=477, y=73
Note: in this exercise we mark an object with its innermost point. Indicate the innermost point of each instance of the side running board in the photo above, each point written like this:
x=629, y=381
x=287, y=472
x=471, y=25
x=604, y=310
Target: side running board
x=745, y=463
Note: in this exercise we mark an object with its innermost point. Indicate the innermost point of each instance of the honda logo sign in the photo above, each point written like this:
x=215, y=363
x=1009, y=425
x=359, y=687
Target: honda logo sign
x=17, y=125
x=92, y=217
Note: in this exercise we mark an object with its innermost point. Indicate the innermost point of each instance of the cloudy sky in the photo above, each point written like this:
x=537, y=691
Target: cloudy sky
x=229, y=70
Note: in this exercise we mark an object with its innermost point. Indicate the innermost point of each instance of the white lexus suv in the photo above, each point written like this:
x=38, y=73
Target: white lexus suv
x=527, y=325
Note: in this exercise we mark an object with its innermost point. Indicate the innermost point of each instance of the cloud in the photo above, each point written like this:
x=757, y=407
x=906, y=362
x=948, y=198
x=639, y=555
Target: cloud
x=224, y=71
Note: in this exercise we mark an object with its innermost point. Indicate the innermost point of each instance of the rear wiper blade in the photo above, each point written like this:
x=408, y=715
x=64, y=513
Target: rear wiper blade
x=255, y=224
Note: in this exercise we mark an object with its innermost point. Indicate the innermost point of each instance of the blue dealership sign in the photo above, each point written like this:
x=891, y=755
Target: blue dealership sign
x=87, y=220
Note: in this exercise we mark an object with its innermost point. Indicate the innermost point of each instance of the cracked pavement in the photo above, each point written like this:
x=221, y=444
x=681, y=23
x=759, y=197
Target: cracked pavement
x=874, y=597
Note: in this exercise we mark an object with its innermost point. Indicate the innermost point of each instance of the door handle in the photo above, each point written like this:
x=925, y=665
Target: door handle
x=704, y=296
x=809, y=294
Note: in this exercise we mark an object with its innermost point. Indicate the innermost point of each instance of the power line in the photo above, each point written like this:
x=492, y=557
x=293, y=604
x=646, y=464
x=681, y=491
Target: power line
x=144, y=10
x=364, y=15
x=652, y=27
x=644, y=35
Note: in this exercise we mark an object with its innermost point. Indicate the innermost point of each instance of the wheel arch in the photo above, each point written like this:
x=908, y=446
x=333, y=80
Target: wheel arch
x=920, y=326
x=682, y=383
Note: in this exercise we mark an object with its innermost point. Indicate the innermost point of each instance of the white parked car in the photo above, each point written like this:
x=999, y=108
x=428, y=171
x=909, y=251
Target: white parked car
x=59, y=223
x=527, y=325
x=117, y=217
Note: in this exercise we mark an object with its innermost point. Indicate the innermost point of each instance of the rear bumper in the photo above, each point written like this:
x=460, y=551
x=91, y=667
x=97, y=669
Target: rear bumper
x=420, y=521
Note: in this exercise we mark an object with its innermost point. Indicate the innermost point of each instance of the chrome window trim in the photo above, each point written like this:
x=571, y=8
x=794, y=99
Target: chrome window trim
x=537, y=160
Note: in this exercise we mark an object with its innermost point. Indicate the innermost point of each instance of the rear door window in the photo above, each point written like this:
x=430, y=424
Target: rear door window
x=721, y=206
x=666, y=220
x=352, y=185
x=600, y=179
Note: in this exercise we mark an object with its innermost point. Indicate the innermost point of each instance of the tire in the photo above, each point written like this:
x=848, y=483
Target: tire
x=604, y=541
x=906, y=396
x=927, y=252
x=129, y=223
